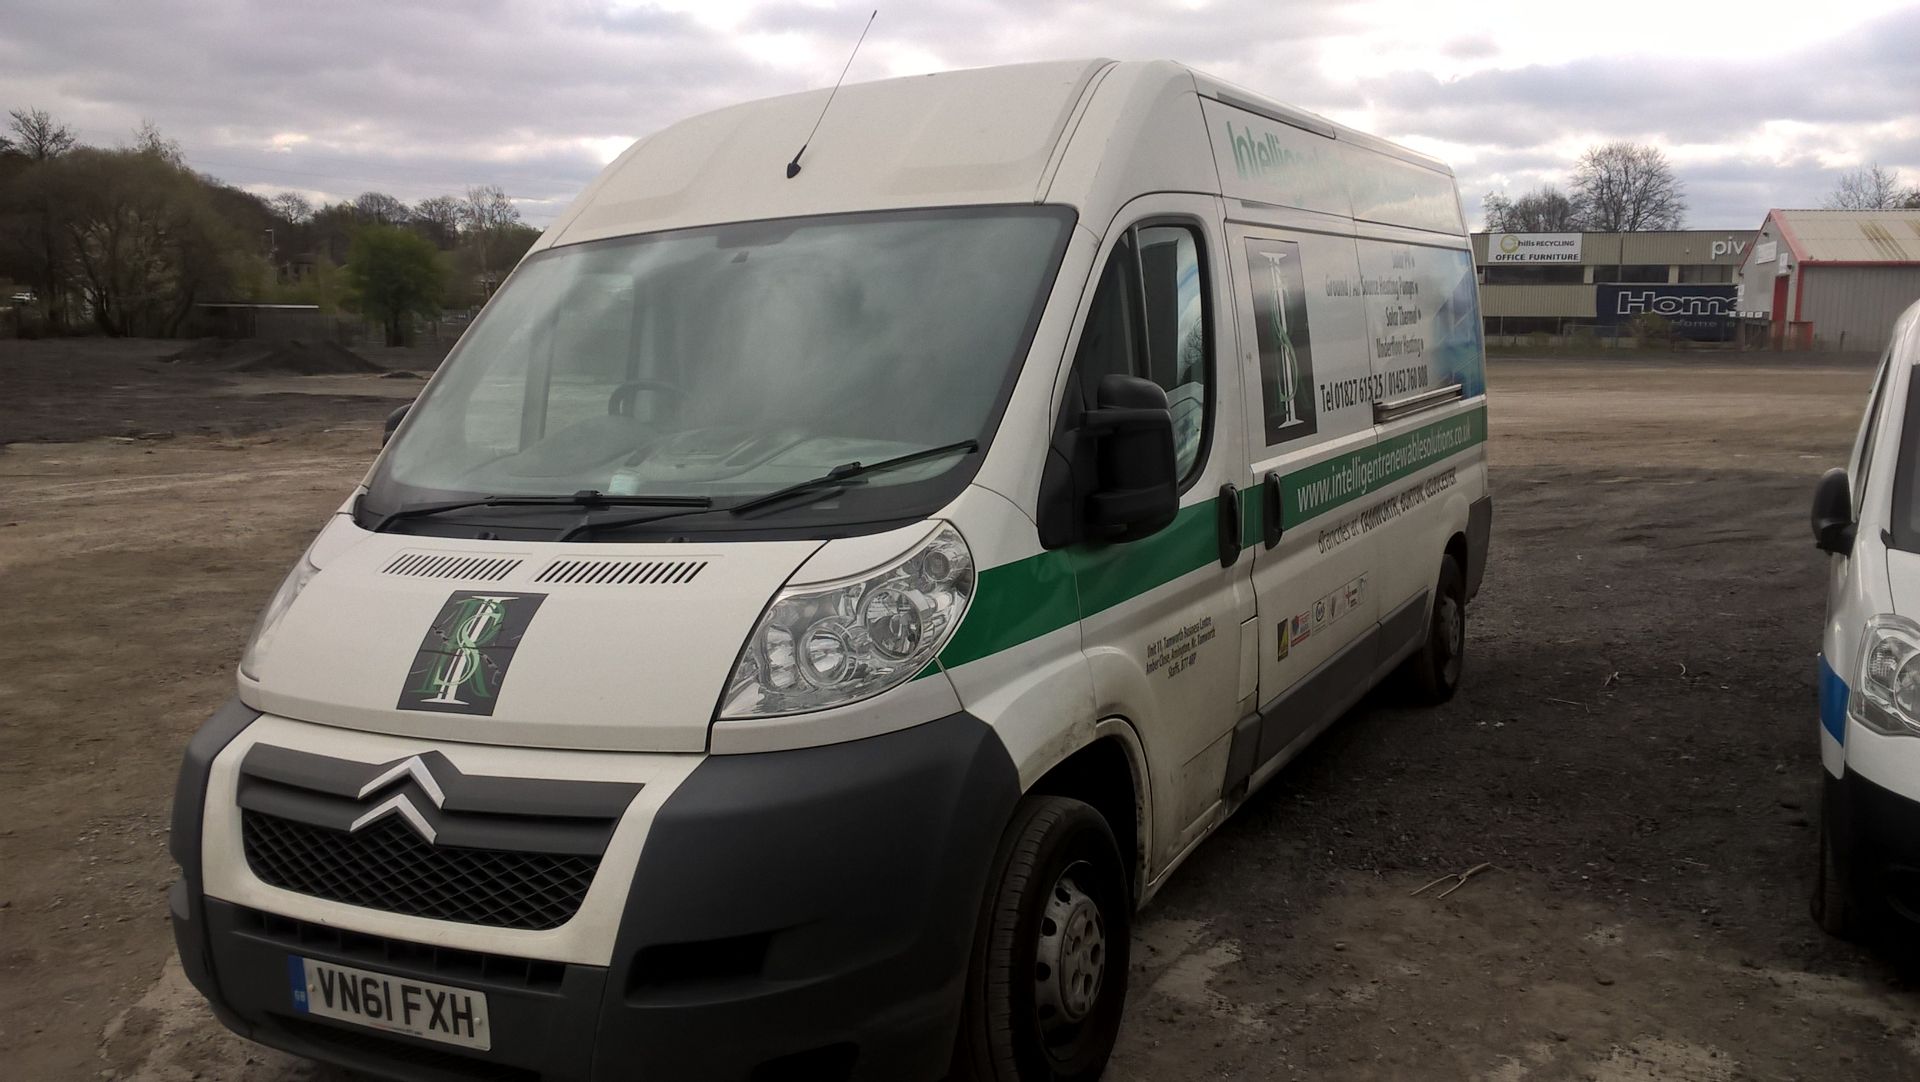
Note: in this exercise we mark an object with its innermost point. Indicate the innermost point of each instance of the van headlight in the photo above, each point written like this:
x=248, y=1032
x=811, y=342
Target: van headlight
x=1887, y=695
x=820, y=646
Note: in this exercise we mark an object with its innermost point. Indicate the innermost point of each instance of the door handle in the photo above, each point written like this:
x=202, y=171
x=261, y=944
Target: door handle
x=1229, y=525
x=1270, y=509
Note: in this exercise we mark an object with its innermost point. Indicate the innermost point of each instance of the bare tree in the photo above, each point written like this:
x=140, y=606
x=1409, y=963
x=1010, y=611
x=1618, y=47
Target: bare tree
x=1542, y=211
x=38, y=136
x=488, y=209
x=486, y=217
x=35, y=198
x=1871, y=187
x=147, y=139
x=438, y=218
x=291, y=207
x=381, y=208
x=1628, y=187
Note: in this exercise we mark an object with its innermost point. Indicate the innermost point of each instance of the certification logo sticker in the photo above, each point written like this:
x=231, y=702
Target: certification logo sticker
x=463, y=660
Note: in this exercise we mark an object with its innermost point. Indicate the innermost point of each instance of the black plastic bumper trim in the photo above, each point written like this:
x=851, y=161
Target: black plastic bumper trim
x=1479, y=535
x=807, y=911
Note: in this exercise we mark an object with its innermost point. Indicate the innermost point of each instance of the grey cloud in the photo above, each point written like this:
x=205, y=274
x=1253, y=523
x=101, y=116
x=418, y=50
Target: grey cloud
x=1470, y=48
x=1862, y=77
x=415, y=97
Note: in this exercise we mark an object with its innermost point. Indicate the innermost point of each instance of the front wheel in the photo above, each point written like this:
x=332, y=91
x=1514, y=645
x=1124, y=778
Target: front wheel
x=1432, y=674
x=1049, y=972
x=1832, y=901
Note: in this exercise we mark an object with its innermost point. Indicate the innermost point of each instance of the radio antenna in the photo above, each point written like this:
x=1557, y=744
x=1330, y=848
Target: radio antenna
x=793, y=167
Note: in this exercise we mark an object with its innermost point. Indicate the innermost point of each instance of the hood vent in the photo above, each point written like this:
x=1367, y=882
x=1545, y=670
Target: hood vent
x=622, y=572
x=437, y=565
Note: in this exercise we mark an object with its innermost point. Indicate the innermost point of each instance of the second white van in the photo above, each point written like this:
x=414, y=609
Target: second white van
x=814, y=607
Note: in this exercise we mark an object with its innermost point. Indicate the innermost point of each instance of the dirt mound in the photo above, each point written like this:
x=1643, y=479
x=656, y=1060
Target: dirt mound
x=218, y=352
x=309, y=359
x=296, y=357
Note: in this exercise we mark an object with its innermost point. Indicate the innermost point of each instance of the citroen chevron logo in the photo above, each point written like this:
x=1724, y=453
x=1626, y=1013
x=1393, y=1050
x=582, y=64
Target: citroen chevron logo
x=401, y=803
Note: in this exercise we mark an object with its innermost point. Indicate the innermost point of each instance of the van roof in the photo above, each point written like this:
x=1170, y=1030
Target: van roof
x=979, y=136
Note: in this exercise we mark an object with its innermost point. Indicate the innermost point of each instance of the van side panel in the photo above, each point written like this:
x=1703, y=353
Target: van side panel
x=1423, y=335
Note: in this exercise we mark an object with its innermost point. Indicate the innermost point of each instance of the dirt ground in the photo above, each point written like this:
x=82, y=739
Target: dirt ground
x=1633, y=750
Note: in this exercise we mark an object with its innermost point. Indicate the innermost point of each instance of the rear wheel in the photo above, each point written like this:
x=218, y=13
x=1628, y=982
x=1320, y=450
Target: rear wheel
x=1049, y=972
x=1432, y=674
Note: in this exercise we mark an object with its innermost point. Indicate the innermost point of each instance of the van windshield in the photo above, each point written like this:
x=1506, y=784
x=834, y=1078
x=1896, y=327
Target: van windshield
x=729, y=362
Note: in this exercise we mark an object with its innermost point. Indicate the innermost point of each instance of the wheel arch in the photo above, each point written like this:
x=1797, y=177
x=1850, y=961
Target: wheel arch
x=1109, y=772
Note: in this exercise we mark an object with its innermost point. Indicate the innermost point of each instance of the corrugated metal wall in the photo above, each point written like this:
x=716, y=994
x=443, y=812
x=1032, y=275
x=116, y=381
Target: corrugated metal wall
x=1860, y=302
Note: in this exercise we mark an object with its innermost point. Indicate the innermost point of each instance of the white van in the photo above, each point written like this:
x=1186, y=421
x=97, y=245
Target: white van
x=1867, y=516
x=812, y=609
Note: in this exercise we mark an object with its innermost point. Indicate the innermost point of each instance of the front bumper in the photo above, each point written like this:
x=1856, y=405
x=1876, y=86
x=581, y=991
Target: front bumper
x=799, y=914
x=1878, y=834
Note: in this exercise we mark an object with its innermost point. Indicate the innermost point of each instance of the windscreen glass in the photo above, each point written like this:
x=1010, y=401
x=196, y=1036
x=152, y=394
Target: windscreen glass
x=732, y=361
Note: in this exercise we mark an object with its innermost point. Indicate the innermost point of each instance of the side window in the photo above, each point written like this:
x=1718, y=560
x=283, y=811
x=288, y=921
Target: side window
x=1863, y=454
x=1149, y=319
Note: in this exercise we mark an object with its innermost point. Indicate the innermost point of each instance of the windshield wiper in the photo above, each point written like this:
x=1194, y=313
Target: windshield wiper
x=584, y=498
x=848, y=473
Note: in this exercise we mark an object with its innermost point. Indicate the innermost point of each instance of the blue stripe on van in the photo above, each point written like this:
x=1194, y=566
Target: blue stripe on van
x=1833, y=702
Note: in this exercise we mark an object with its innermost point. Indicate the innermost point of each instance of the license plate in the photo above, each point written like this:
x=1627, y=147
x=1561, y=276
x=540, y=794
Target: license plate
x=435, y=1012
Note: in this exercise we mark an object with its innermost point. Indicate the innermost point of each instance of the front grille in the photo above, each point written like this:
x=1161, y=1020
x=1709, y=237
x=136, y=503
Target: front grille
x=387, y=866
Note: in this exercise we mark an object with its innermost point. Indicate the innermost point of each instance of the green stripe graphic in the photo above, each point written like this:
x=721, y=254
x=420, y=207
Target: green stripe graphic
x=1313, y=491
x=1023, y=600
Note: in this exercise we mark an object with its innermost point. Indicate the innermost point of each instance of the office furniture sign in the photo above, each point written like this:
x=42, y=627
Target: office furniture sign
x=1533, y=248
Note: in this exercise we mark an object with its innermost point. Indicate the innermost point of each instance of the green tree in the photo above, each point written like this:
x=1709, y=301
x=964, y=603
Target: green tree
x=143, y=241
x=396, y=274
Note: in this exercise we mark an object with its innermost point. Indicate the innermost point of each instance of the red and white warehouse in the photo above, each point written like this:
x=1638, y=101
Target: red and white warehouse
x=1833, y=279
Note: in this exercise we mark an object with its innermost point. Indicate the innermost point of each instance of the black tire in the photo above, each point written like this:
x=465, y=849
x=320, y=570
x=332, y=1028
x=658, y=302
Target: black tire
x=1832, y=902
x=1432, y=674
x=1058, y=857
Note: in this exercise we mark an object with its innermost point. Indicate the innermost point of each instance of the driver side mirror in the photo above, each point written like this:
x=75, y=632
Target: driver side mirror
x=1833, y=523
x=1138, y=489
x=393, y=422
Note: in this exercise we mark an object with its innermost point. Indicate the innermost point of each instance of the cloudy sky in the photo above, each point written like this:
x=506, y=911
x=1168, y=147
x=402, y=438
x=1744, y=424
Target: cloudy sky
x=1760, y=103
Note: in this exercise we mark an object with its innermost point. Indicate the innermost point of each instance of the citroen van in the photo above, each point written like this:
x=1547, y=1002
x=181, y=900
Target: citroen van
x=1866, y=516
x=820, y=599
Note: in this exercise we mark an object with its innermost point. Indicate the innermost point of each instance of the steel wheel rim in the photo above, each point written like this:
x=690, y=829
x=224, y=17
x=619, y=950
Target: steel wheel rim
x=1070, y=959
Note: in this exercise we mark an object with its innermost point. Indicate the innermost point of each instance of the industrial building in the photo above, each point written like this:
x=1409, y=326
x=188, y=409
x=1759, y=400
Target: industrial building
x=1559, y=283
x=1832, y=279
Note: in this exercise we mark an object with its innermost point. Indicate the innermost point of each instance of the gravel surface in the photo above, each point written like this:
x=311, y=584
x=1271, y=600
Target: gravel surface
x=1633, y=750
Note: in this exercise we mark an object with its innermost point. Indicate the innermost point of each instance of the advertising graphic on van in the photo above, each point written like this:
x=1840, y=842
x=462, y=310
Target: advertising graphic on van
x=1286, y=350
x=463, y=659
x=1324, y=486
x=1260, y=157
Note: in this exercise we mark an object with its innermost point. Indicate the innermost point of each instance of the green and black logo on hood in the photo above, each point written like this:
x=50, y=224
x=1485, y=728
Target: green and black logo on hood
x=463, y=661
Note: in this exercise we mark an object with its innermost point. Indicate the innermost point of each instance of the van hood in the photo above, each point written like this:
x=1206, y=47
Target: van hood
x=594, y=647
